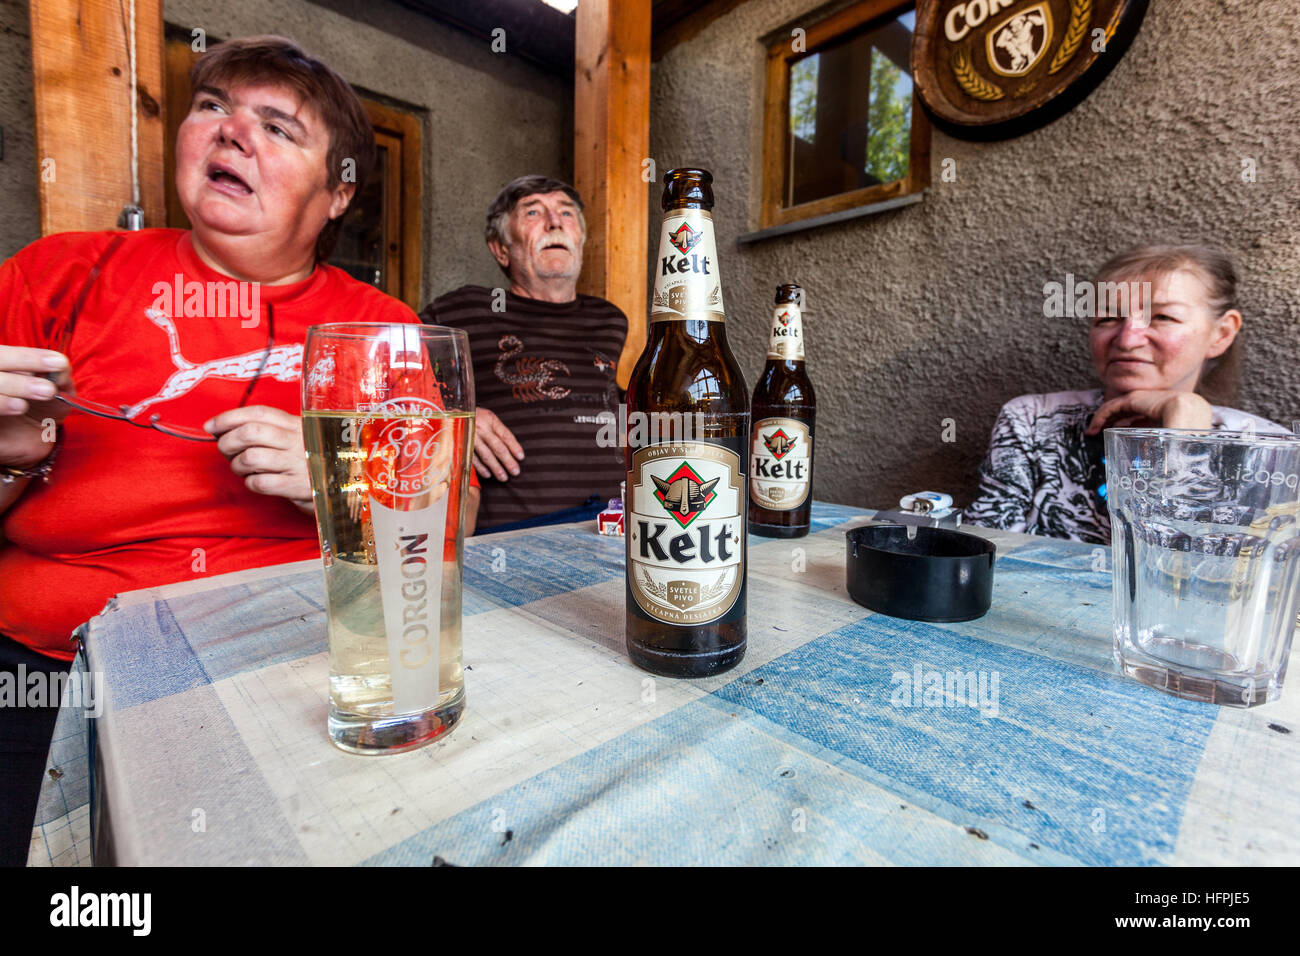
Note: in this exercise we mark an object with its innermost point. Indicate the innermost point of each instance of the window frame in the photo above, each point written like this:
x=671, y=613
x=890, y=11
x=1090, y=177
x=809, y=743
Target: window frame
x=400, y=133
x=776, y=122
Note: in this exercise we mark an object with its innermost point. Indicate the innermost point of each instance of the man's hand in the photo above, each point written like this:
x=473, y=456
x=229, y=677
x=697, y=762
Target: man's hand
x=495, y=448
x=27, y=400
x=1154, y=409
x=264, y=446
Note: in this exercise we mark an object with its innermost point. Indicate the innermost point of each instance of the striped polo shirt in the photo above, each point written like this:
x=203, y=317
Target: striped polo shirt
x=548, y=371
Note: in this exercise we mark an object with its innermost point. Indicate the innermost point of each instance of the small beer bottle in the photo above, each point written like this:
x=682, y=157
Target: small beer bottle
x=784, y=410
x=687, y=457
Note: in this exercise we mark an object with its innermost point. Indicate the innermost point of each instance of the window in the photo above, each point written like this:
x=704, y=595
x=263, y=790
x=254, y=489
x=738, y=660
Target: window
x=843, y=127
x=380, y=242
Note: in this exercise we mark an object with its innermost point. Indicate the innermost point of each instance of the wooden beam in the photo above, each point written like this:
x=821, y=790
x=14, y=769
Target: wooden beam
x=611, y=141
x=82, y=77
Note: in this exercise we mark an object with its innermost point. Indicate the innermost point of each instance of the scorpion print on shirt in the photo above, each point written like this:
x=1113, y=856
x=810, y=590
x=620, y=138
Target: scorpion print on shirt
x=548, y=371
x=530, y=378
x=1041, y=474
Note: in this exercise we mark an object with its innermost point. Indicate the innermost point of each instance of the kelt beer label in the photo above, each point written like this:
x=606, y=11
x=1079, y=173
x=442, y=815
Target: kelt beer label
x=685, y=526
x=786, y=341
x=781, y=471
x=686, y=269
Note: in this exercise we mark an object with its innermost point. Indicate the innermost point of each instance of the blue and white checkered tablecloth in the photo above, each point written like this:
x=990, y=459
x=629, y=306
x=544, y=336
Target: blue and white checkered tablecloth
x=831, y=743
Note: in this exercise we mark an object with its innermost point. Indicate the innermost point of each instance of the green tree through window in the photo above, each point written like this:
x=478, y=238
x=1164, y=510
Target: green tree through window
x=845, y=116
x=803, y=98
x=889, y=122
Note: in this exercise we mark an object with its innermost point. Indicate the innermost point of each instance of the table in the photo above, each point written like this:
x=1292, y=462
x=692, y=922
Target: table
x=822, y=747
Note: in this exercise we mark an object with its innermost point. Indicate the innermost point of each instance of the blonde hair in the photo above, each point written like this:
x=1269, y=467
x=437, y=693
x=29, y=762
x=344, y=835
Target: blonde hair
x=1220, y=376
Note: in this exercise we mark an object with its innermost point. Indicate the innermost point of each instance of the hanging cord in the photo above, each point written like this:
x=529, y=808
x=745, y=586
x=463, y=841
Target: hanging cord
x=132, y=216
x=135, y=114
x=270, y=344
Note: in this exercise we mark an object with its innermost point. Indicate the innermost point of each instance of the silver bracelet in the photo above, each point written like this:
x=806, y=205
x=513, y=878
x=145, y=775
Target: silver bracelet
x=41, y=470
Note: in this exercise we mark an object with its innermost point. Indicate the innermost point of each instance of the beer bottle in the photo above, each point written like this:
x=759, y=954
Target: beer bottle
x=687, y=457
x=784, y=408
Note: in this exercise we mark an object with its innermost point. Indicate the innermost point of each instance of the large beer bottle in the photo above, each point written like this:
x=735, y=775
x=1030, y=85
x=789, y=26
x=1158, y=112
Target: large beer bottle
x=784, y=409
x=687, y=457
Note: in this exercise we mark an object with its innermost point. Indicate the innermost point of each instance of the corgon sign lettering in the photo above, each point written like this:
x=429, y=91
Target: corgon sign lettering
x=970, y=15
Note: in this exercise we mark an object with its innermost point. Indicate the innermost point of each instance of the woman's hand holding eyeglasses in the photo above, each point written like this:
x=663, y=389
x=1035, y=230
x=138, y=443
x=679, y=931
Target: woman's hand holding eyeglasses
x=264, y=446
x=27, y=403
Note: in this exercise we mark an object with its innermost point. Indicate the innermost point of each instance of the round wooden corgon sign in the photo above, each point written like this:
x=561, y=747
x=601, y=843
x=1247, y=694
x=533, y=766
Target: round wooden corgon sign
x=991, y=69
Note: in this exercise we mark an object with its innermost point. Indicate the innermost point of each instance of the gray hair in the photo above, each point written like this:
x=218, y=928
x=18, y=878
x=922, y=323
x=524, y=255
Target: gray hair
x=498, y=215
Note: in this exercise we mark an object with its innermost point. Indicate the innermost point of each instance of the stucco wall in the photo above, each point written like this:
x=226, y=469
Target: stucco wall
x=19, y=211
x=935, y=311
x=489, y=116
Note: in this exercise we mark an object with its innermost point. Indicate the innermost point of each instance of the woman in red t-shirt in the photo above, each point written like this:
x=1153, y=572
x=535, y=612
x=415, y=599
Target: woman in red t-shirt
x=188, y=332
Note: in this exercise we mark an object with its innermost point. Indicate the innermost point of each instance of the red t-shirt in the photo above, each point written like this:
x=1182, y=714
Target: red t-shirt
x=128, y=507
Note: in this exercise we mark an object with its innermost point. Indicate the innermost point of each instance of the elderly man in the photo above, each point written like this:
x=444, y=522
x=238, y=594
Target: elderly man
x=544, y=362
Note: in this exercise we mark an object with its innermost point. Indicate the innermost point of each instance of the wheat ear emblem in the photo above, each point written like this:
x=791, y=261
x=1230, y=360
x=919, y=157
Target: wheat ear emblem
x=656, y=590
x=1075, y=31
x=970, y=81
x=711, y=591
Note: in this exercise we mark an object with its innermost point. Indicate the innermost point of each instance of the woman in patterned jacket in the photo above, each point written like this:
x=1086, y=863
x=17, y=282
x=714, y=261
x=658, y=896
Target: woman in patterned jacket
x=1157, y=364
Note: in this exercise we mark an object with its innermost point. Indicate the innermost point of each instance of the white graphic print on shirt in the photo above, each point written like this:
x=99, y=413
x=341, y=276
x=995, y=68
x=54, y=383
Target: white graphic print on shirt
x=284, y=364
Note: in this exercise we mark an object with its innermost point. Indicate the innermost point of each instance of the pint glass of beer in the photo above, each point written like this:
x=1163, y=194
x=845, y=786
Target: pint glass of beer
x=388, y=418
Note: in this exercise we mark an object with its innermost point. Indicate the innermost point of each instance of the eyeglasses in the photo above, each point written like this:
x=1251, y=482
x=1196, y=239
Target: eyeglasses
x=120, y=413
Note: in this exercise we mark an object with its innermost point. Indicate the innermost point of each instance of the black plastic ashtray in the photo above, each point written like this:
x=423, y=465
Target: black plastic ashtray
x=920, y=573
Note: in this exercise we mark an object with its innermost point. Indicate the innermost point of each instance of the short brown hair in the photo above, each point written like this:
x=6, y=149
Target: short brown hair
x=273, y=59
x=512, y=192
x=1219, y=376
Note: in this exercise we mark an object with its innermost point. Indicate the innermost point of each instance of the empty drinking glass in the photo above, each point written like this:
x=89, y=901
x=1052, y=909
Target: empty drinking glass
x=1206, y=557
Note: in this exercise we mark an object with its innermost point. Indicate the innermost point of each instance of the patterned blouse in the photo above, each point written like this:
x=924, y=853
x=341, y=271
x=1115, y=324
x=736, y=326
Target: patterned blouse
x=1041, y=474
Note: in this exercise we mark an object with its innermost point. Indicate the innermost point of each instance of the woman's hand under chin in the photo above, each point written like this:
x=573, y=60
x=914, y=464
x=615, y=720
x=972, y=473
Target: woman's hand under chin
x=1152, y=408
